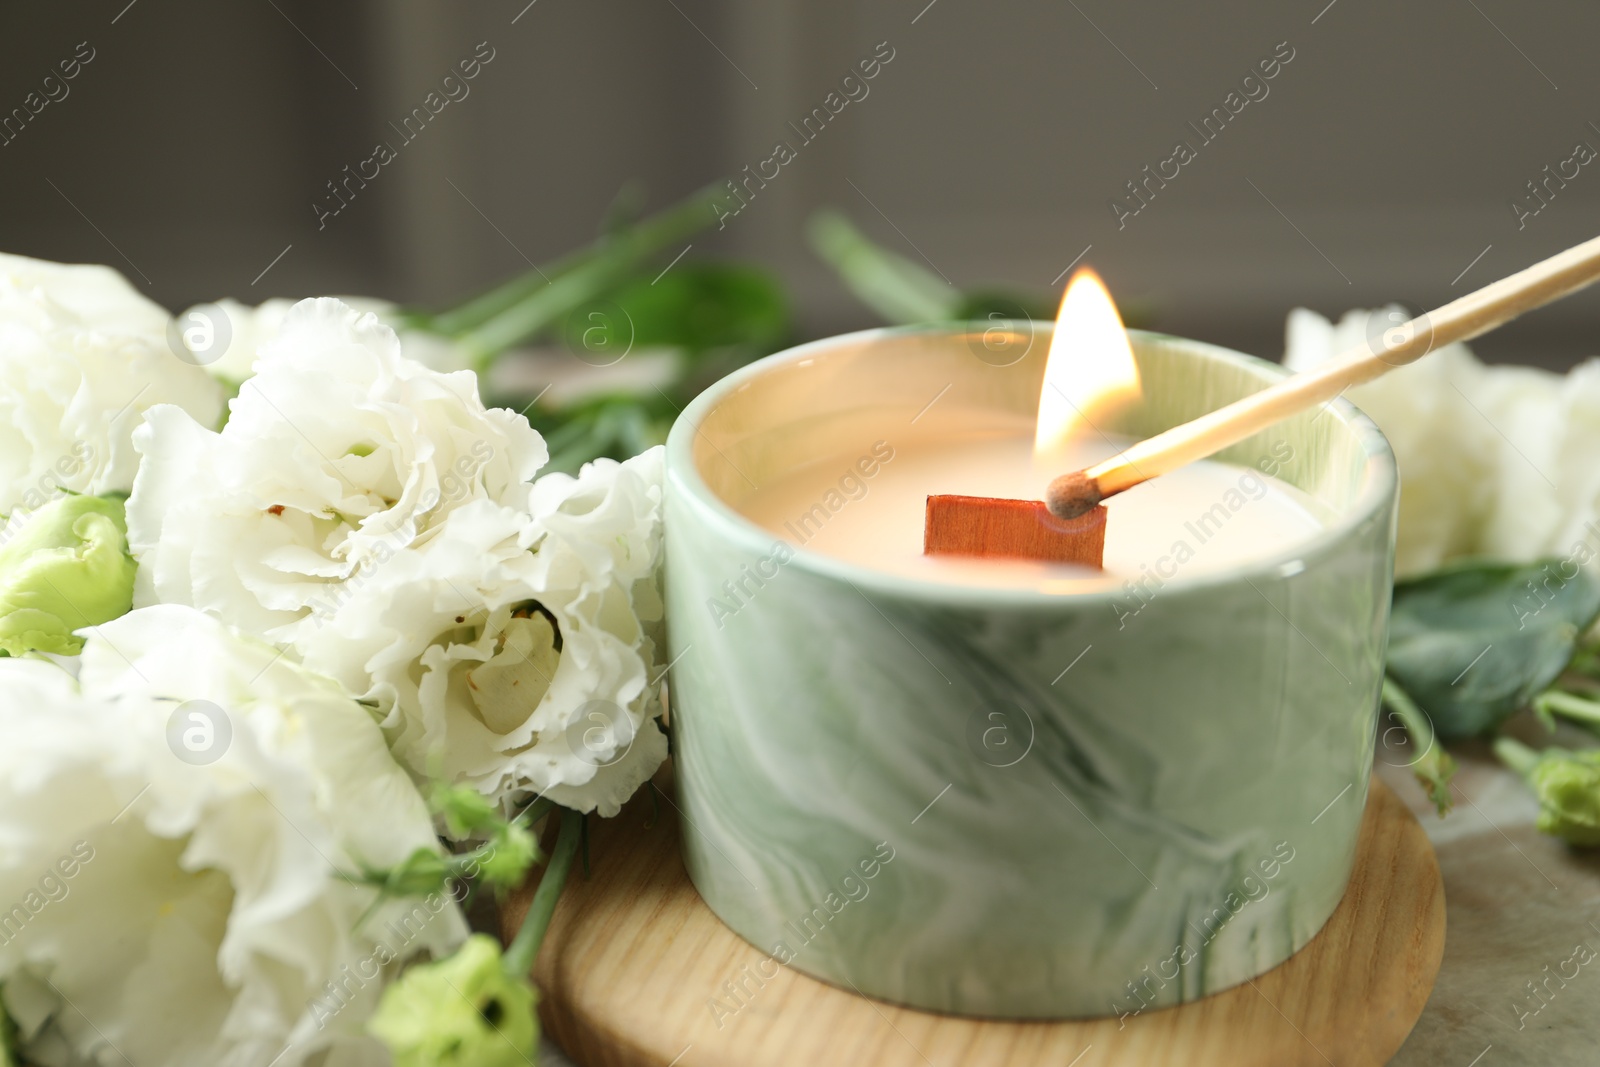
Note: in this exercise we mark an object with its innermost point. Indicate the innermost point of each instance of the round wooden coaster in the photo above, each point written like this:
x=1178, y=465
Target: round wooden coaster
x=633, y=973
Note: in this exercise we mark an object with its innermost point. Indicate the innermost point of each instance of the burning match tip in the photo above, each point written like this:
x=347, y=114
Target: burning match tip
x=1072, y=495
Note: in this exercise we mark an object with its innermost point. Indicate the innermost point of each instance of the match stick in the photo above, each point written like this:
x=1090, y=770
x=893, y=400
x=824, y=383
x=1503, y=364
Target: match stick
x=1015, y=529
x=1460, y=320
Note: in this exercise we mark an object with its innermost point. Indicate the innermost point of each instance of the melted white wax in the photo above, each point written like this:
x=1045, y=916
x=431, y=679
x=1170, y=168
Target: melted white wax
x=868, y=510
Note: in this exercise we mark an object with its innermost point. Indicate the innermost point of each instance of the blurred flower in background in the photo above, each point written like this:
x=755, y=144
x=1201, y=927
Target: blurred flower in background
x=82, y=357
x=1494, y=461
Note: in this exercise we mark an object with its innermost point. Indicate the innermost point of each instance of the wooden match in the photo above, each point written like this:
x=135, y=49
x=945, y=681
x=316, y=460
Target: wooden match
x=1460, y=320
x=990, y=527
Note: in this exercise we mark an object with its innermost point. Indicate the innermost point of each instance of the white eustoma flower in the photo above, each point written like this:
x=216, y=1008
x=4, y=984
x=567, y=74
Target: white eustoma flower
x=337, y=454
x=515, y=654
x=174, y=837
x=1447, y=450
x=226, y=336
x=1549, y=472
x=1575, y=466
x=82, y=356
x=1519, y=409
x=1498, y=461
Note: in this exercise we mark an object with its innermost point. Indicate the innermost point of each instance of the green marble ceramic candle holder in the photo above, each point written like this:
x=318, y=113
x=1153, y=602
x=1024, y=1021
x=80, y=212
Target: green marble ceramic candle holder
x=883, y=785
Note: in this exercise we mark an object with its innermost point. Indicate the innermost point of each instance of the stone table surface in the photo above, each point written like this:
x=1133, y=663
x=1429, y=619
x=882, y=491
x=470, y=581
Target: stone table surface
x=1523, y=914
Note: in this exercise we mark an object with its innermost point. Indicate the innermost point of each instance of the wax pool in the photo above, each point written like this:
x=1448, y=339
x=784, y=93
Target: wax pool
x=1201, y=518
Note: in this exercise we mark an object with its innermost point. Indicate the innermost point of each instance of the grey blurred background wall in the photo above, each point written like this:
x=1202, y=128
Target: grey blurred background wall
x=1382, y=163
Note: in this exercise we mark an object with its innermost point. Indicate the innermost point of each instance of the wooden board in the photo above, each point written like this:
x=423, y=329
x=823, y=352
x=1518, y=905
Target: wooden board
x=634, y=957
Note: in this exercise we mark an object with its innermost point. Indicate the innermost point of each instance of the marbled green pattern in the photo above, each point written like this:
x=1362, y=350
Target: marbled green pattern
x=1227, y=725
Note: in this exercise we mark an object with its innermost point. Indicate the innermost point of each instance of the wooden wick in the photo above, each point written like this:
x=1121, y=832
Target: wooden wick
x=1460, y=320
x=1014, y=529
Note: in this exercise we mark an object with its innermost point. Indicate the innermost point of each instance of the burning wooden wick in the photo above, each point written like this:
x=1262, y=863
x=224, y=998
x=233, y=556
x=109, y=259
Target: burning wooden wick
x=1016, y=529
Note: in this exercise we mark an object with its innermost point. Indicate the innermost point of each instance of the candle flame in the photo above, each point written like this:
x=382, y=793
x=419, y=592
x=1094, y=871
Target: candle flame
x=1090, y=375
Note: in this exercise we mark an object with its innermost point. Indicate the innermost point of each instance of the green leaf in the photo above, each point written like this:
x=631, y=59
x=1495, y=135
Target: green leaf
x=1475, y=641
x=8, y=1038
x=905, y=292
x=901, y=291
x=625, y=208
x=540, y=298
x=984, y=304
x=697, y=307
x=615, y=427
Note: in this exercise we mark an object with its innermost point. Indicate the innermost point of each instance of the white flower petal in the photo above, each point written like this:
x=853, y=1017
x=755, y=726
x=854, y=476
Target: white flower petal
x=82, y=357
x=337, y=454
x=206, y=915
x=415, y=631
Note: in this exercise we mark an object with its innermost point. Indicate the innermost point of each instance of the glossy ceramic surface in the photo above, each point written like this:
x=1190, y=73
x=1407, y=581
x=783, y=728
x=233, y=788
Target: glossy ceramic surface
x=894, y=786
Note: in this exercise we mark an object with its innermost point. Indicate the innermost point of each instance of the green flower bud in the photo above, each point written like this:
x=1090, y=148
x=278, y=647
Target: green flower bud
x=67, y=568
x=462, y=1011
x=423, y=872
x=1566, y=783
x=1568, y=787
x=466, y=811
x=514, y=851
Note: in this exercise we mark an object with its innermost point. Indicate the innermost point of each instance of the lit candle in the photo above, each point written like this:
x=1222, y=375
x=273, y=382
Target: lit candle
x=1038, y=747
x=1206, y=517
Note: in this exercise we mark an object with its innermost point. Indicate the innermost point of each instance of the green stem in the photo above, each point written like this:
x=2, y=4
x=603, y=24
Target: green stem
x=901, y=291
x=1516, y=755
x=1435, y=767
x=525, y=948
x=1586, y=661
x=1570, y=705
x=546, y=307
x=9, y=1053
x=535, y=811
x=533, y=301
